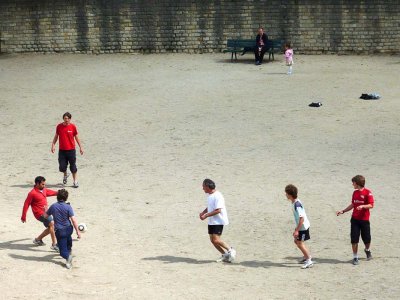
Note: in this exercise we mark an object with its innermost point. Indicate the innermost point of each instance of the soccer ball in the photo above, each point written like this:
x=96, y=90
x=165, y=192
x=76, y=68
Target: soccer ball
x=82, y=227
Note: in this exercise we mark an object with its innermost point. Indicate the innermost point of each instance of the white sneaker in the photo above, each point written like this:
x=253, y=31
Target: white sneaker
x=232, y=254
x=76, y=184
x=303, y=260
x=308, y=264
x=68, y=263
x=224, y=258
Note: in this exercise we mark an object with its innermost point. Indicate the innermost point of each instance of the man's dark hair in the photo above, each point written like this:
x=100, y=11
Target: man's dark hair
x=359, y=180
x=62, y=195
x=67, y=114
x=39, y=179
x=209, y=183
x=291, y=190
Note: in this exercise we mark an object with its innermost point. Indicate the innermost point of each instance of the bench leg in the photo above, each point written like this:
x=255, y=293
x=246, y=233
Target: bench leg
x=232, y=57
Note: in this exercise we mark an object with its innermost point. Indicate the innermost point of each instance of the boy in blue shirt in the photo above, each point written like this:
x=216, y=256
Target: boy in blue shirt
x=301, y=232
x=64, y=224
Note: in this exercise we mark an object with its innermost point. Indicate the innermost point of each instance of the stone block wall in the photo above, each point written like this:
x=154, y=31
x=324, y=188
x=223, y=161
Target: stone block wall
x=154, y=26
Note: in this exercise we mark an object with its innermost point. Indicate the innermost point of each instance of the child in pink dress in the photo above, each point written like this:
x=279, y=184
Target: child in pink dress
x=289, y=57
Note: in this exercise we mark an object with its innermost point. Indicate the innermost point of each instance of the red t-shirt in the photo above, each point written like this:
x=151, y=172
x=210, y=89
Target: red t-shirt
x=37, y=200
x=362, y=197
x=66, y=134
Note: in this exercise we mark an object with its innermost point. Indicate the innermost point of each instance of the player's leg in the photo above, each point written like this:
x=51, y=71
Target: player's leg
x=43, y=234
x=214, y=238
x=62, y=164
x=355, y=231
x=72, y=166
x=366, y=237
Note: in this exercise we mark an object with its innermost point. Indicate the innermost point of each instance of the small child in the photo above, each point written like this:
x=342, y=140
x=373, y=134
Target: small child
x=63, y=215
x=301, y=232
x=289, y=57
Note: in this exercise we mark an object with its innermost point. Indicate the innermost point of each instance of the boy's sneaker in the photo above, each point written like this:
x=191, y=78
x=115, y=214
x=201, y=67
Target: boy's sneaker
x=307, y=264
x=368, y=253
x=65, y=178
x=76, y=184
x=55, y=248
x=303, y=260
x=231, y=254
x=68, y=263
x=38, y=242
x=224, y=258
x=355, y=261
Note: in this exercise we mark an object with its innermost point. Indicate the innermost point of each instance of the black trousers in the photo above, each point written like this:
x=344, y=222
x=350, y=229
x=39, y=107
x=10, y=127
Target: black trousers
x=259, y=53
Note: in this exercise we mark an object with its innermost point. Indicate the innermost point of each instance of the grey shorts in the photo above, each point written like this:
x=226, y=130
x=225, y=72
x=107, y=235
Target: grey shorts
x=46, y=221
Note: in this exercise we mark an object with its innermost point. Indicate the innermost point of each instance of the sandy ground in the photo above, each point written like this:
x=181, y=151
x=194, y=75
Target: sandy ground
x=153, y=127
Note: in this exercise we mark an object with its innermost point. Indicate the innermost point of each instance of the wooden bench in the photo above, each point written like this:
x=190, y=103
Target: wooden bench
x=242, y=46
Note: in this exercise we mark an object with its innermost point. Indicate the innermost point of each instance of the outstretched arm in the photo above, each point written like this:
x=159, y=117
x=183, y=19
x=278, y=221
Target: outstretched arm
x=350, y=207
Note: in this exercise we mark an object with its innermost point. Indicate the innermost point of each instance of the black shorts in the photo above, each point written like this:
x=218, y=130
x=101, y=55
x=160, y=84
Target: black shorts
x=357, y=227
x=65, y=157
x=304, y=235
x=215, y=229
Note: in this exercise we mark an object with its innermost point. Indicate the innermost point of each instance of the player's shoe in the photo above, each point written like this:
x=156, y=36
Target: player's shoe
x=55, y=248
x=368, y=254
x=231, y=254
x=303, y=260
x=65, y=178
x=38, y=242
x=224, y=258
x=307, y=264
x=355, y=261
x=76, y=184
x=68, y=263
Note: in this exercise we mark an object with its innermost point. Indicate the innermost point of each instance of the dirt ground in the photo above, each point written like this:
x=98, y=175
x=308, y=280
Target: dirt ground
x=153, y=127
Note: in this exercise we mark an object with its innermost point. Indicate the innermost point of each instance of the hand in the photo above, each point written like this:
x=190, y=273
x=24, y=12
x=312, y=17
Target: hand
x=53, y=148
x=360, y=207
x=340, y=212
x=81, y=151
x=295, y=234
x=202, y=216
x=79, y=235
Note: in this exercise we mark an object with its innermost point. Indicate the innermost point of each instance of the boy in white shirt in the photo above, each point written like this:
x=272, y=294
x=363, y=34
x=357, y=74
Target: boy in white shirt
x=301, y=232
x=217, y=218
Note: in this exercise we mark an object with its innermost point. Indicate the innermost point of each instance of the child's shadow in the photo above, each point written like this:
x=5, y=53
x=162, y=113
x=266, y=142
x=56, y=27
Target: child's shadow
x=47, y=258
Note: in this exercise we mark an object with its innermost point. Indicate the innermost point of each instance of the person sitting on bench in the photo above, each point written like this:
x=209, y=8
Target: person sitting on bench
x=261, y=46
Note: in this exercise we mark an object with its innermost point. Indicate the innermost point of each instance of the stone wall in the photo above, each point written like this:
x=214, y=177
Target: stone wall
x=125, y=26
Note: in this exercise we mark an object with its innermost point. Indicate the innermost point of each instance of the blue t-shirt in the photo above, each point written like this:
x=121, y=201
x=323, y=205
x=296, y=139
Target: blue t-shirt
x=61, y=213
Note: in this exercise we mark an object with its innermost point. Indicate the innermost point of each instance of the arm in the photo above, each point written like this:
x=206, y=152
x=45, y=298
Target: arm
x=53, y=144
x=79, y=143
x=202, y=214
x=75, y=224
x=366, y=206
x=296, y=230
x=210, y=214
x=350, y=207
x=27, y=203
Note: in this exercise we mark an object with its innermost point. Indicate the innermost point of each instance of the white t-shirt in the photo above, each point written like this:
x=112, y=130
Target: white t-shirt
x=299, y=212
x=215, y=201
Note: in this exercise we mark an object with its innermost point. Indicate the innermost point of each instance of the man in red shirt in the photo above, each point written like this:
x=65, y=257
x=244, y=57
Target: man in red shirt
x=362, y=201
x=67, y=133
x=38, y=202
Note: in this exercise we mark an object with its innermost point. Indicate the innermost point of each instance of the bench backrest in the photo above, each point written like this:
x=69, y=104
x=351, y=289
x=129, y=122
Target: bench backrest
x=241, y=43
x=247, y=43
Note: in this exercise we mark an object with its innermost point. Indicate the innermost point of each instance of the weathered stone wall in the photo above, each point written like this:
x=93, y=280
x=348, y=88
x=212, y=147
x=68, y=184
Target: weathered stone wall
x=111, y=26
